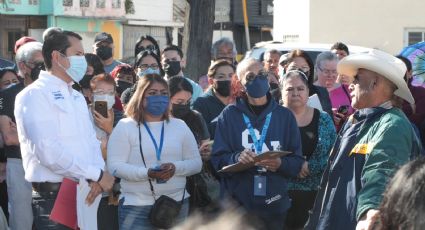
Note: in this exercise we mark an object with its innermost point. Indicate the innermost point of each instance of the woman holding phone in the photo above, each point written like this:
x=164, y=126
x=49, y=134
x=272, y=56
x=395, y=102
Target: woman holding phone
x=149, y=147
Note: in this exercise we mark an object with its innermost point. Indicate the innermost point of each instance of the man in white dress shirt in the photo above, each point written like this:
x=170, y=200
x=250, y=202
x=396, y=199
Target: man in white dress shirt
x=56, y=136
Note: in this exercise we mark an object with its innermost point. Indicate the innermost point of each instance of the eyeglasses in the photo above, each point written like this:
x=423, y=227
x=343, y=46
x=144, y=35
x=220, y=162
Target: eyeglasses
x=327, y=71
x=146, y=66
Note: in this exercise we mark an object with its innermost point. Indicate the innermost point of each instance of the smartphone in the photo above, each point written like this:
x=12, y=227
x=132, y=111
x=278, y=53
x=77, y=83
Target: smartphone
x=343, y=109
x=158, y=169
x=101, y=107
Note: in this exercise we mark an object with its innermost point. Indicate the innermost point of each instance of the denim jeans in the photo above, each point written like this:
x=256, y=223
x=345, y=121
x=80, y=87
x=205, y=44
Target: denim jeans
x=19, y=192
x=136, y=217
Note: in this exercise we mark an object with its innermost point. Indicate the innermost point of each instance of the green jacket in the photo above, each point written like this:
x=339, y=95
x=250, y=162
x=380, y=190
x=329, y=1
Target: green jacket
x=371, y=146
x=390, y=143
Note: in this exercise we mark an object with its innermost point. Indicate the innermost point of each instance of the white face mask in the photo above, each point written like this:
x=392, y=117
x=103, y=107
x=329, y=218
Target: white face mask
x=110, y=100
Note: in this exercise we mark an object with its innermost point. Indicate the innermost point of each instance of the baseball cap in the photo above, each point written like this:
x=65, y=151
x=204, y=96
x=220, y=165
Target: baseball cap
x=103, y=37
x=23, y=40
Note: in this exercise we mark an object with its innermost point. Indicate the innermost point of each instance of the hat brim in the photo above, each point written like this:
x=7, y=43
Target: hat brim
x=392, y=69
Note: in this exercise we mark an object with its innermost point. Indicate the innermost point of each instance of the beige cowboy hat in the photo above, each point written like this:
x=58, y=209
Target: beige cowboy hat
x=382, y=63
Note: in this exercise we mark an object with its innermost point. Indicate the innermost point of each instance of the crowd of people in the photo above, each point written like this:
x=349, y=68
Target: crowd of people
x=287, y=142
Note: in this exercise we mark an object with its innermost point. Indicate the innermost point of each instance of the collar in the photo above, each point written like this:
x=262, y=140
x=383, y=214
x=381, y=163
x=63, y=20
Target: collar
x=386, y=105
x=51, y=80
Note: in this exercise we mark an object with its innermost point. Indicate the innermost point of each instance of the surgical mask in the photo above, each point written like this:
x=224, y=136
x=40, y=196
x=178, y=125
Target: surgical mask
x=104, y=52
x=172, y=68
x=157, y=104
x=110, y=99
x=148, y=71
x=223, y=88
x=77, y=67
x=179, y=110
x=36, y=71
x=258, y=87
x=122, y=86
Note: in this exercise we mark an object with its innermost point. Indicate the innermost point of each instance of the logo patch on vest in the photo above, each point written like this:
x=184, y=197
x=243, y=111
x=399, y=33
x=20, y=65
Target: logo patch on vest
x=362, y=149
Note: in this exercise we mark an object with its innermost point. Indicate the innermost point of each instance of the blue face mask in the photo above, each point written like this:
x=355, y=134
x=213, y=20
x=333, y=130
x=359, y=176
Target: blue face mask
x=149, y=71
x=77, y=67
x=258, y=87
x=157, y=104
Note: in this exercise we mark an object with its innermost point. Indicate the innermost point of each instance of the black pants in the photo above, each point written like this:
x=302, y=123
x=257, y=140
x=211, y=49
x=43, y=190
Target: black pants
x=42, y=205
x=107, y=215
x=302, y=203
x=3, y=198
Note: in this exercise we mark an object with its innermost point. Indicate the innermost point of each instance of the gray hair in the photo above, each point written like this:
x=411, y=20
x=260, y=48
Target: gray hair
x=293, y=74
x=243, y=66
x=324, y=56
x=26, y=52
x=222, y=41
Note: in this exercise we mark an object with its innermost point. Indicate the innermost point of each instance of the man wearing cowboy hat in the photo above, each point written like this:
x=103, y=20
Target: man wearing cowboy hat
x=372, y=144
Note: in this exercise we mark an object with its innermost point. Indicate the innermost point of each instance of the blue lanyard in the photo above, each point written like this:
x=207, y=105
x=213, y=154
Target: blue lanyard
x=158, y=150
x=258, y=144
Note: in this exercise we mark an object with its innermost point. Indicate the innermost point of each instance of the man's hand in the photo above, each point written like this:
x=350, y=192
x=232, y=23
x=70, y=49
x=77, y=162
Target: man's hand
x=304, y=170
x=369, y=220
x=105, y=123
x=270, y=164
x=94, y=192
x=246, y=156
x=107, y=181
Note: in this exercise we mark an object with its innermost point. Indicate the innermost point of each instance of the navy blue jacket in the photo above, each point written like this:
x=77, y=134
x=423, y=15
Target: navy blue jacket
x=232, y=137
x=210, y=107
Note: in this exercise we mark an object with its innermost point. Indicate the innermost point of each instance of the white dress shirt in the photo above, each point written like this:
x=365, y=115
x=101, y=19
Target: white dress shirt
x=56, y=136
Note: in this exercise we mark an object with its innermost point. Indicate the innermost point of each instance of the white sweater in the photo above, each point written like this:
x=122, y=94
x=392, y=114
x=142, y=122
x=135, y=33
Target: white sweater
x=125, y=161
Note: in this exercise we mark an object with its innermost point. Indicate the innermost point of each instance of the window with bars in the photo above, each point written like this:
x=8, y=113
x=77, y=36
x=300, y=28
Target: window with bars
x=33, y=2
x=100, y=3
x=116, y=4
x=84, y=3
x=67, y=3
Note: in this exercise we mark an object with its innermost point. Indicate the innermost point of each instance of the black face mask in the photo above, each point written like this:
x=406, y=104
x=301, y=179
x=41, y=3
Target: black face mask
x=122, y=86
x=223, y=88
x=172, y=68
x=274, y=86
x=179, y=111
x=85, y=82
x=36, y=71
x=104, y=52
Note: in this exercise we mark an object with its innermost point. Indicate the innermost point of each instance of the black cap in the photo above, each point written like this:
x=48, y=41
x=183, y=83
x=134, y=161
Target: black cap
x=103, y=37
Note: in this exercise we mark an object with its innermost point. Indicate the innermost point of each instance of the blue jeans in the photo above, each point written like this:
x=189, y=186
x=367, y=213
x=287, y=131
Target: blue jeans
x=19, y=191
x=136, y=217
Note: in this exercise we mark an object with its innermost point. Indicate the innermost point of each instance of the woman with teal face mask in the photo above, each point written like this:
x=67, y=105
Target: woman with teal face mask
x=152, y=153
x=146, y=62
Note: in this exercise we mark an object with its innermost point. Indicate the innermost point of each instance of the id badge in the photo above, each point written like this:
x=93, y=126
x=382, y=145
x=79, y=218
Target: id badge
x=260, y=185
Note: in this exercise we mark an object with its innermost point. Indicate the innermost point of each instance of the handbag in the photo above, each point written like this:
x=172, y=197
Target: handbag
x=165, y=210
